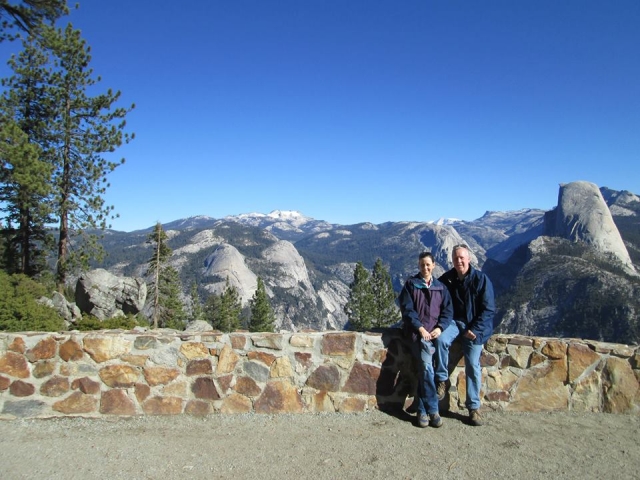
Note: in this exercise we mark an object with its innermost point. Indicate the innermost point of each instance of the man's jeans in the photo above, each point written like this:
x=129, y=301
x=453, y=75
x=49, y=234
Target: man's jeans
x=472, y=367
x=427, y=395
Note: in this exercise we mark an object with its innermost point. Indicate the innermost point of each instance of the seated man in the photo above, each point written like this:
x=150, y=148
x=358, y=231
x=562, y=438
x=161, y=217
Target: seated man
x=473, y=311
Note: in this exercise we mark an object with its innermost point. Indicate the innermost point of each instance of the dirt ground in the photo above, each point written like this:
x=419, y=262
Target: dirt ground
x=328, y=446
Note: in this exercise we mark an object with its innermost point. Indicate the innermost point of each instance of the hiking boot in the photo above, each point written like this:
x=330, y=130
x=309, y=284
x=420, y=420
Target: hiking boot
x=423, y=420
x=475, y=418
x=435, y=420
x=441, y=389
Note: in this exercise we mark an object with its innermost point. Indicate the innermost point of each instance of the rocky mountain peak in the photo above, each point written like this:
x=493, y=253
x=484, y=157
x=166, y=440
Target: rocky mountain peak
x=583, y=216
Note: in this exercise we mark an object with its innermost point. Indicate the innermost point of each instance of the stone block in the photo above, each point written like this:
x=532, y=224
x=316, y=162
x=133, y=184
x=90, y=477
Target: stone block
x=193, y=350
x=339, y=344
x=235, y=404
x=247, y=386
x=55, y=387
x=86, y=385
x=20, y=388
x=204, y=388
x=620, y=387
x=163, y=406
x=116, y=402
x=279, y=397
x=71, y=351
x=76, y=403
x=266, y=358
x=362, y=379
x=199, y=367
x=160, y=375
x=44, y=349
x=14, y=365
x=325, y=378
x=119, y=376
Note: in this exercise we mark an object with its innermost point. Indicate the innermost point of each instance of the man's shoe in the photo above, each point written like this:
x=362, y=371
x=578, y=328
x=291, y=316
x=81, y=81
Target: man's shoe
x=475, y=418
x=423, y=420
x=441, y=389
x=435, y=420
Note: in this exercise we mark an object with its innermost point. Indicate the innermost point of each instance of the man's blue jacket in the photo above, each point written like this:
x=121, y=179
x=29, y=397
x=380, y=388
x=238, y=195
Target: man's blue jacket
x=473, y=302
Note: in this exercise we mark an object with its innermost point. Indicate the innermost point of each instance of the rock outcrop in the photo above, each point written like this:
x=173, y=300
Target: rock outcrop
x=104, y=295
x=583, y=216
x=69, y=311
x=227, y=262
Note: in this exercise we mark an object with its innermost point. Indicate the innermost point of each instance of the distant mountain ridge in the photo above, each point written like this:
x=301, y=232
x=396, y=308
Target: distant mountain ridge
x=307, y=264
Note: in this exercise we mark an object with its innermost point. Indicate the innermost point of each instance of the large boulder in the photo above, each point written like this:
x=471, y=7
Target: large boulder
x=104, y=295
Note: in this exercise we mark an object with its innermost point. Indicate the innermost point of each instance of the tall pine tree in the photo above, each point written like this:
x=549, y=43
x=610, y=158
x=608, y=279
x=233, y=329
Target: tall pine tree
x=262, y=317
x=23, y=193
x=167, y=307
x=85, y=128
x=359, y=306
x=385, y=310
x=197, y=312
x=27, y=111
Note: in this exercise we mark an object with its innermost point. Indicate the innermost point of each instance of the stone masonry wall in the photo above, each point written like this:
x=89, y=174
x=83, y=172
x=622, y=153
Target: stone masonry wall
x=164, y=372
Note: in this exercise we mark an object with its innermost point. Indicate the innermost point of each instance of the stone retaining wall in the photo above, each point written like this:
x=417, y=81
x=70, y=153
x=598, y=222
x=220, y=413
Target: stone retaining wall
x=164, y=372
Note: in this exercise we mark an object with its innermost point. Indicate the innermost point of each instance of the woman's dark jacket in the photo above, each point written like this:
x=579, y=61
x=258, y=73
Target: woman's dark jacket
x=425, y=307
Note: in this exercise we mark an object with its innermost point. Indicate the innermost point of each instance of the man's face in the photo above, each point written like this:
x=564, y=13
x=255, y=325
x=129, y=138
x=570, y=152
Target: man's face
x=426, y=266
x=460, y=259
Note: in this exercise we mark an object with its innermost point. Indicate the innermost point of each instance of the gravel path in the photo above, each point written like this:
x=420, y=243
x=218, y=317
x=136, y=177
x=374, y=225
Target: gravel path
x=332, y=446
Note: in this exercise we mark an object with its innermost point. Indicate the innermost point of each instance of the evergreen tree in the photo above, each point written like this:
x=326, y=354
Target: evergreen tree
x=262, y=317
x=170, y=311
x=197, y=311
x=28, y=15
x=157, y=270
x=223, y=311
x=385, y=311
x=26, y=110
x=359, y=306
x=84, y=129
x=23, y=193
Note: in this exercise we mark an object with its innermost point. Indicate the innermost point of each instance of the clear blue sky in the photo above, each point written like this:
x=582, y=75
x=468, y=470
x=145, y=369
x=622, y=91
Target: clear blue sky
x=353, y=111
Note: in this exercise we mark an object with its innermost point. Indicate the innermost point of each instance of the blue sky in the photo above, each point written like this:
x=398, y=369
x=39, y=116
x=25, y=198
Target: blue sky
x=353, y=111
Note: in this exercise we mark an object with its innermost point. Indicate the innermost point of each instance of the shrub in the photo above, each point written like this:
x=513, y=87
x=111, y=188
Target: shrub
x=20, y=310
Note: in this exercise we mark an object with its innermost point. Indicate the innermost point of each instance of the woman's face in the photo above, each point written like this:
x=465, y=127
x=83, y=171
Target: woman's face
x=426, y=266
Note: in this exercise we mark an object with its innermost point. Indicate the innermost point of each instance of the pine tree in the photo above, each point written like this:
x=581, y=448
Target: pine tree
x=170, y=311
x=385, y=311
x=156, y=270
x=28, y=15
x=27, y=110
x=359, y=306
x=85, y=128
x=262, y=317
x=197, y=312
x=223, y=311
x=23, y=193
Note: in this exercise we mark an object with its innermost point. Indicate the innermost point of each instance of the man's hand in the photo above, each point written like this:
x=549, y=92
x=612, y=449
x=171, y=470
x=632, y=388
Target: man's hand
x=470, y=335
x=435, y=333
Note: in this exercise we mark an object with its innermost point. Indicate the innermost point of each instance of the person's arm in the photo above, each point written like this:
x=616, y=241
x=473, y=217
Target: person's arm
x=484, y=306
x=446, y=314
x=409, y=315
